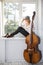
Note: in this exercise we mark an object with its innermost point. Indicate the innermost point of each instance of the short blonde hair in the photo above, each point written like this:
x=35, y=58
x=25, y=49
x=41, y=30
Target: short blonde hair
x=26, y=18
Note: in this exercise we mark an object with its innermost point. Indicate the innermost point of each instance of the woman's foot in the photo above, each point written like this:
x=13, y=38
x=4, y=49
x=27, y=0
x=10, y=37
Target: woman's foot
x=8, y=36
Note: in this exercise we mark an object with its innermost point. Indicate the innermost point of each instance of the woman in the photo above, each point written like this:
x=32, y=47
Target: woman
x=24, y=28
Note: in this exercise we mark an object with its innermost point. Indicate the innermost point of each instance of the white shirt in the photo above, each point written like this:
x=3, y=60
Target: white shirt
x=27, y=28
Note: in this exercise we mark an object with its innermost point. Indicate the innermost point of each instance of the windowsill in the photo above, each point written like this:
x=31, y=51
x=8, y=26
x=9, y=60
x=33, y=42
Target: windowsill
x=17, y=36
x=12, y=38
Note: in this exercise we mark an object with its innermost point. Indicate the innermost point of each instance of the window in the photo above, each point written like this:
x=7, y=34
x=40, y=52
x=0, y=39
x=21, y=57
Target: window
x=13, y=13
x=27, y=9
x=11, y=17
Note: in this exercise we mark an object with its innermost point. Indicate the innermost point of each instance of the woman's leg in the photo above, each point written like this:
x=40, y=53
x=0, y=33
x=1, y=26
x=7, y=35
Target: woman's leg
x=21, y=30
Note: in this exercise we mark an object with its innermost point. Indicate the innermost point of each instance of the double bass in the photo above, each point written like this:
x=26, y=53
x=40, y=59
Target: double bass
x=32, y=54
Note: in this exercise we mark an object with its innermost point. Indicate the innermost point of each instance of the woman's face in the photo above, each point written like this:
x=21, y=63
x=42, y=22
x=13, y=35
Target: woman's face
x=27, y=21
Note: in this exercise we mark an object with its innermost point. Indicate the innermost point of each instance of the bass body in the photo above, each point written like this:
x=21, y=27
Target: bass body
x=32, y=53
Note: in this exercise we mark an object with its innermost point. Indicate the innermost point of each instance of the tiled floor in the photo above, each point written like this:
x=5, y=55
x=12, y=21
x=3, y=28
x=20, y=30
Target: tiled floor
x=20, y=63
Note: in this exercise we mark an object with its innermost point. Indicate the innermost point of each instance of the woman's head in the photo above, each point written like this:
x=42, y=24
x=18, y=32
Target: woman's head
x=27, y=19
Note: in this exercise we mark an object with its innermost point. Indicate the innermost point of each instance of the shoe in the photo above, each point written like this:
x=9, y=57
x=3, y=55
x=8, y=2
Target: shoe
x=6, y=35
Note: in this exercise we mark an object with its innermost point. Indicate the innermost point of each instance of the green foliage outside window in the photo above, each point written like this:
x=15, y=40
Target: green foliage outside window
x=10, y=26
x=10, y=13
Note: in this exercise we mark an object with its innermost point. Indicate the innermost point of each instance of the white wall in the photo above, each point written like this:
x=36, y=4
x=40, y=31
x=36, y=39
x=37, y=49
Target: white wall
x=42, y=28
x=42, y=18
x=12, y=49
x=2, y=50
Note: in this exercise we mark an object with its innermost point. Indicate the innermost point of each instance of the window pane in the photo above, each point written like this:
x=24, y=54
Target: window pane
x=27, y=9
x=11, y=13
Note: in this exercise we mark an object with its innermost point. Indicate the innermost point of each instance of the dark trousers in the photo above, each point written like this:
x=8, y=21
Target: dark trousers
x=21, y=30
